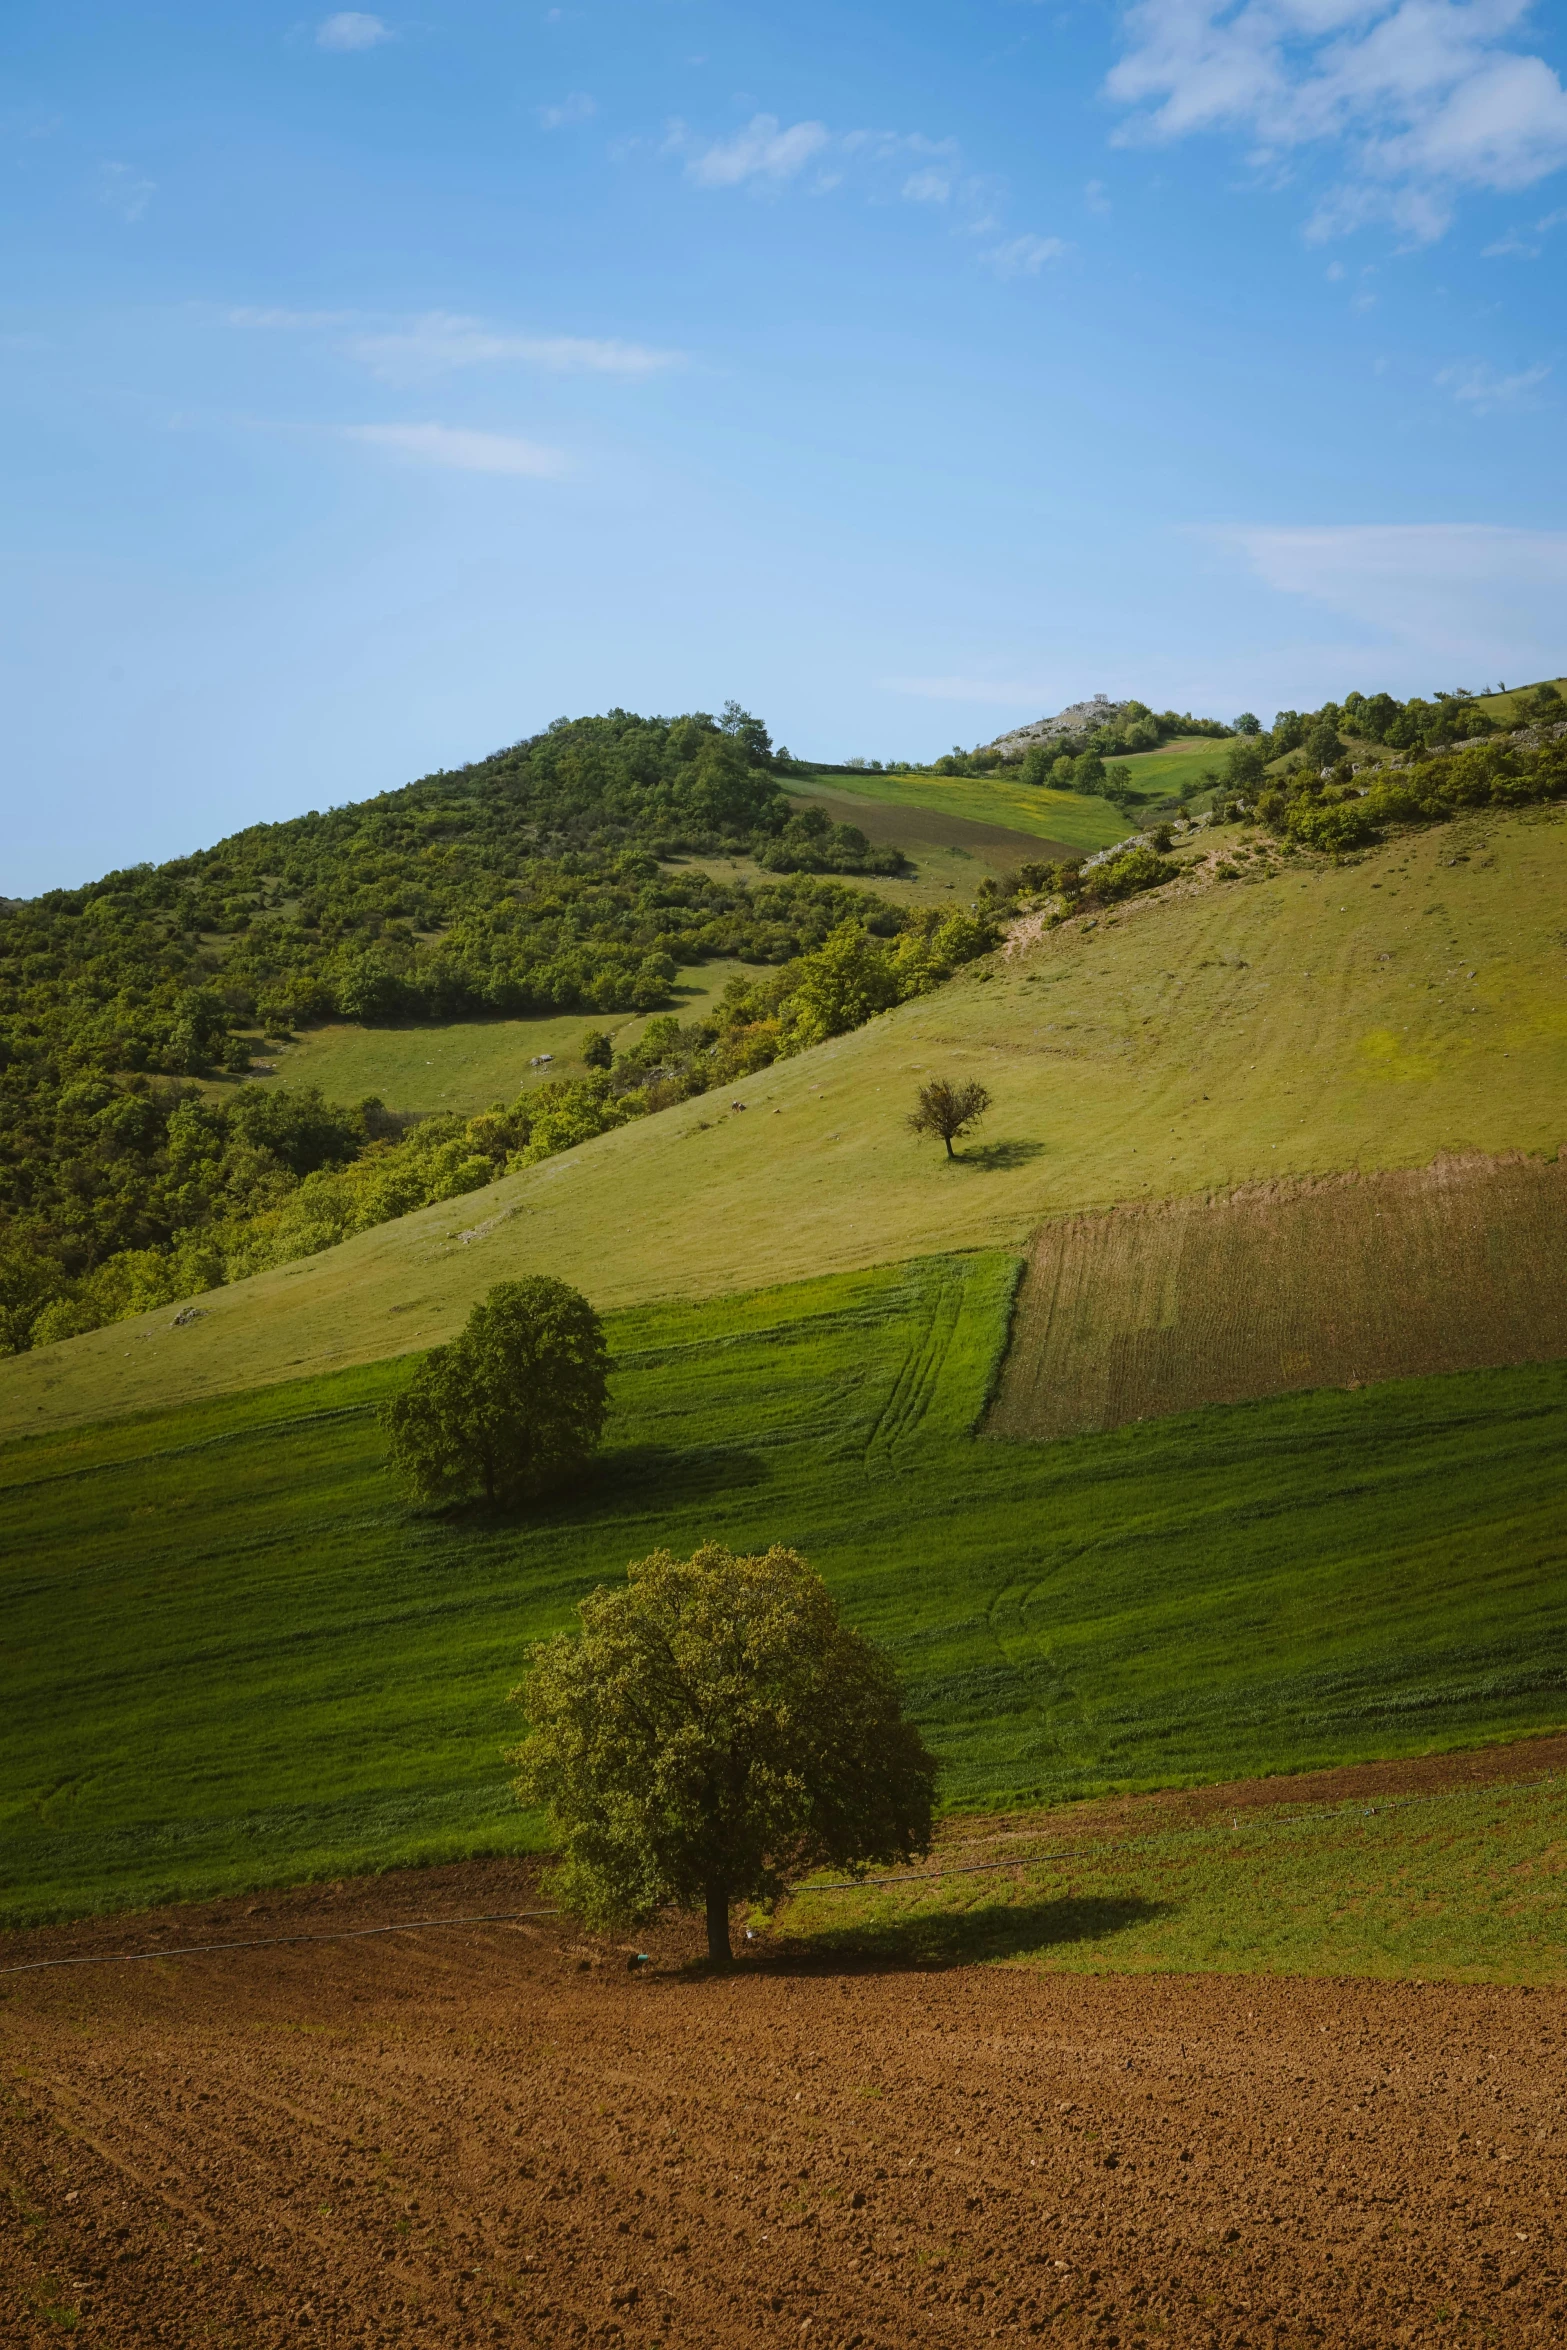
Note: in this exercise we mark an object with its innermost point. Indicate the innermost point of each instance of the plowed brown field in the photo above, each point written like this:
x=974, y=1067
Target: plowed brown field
x=500, y=2134
x=1146, y=1310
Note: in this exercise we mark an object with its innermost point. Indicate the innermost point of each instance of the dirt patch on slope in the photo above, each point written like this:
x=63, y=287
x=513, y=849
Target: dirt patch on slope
x=498, y=2133
x=1338, y=1281
x=889, y=823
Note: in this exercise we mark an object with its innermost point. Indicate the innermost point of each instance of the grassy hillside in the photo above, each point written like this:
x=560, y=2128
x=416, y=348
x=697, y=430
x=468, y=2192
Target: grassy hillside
x=234, y=1657
x=1066, y=818
x=464, y=1065
x=1318, y=1019
x=1333, y=1283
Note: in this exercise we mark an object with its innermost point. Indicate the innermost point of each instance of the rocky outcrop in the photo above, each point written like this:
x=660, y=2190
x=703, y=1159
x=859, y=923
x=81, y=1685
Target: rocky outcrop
x=1098, y=710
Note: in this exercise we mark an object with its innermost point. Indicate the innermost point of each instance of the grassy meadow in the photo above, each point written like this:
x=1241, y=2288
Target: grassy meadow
x=235, y=1656
x=1301, y=1019
x=465, y=1065
x=1062, y=817
x=1467, y=1887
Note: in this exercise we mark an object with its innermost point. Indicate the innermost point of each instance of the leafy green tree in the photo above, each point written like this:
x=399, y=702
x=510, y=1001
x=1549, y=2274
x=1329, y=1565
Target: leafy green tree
x=514, y=1405
x=1248, y=723
x=947, y=1110
x=713, y=1731
x=597, y=1051
x=847, y=980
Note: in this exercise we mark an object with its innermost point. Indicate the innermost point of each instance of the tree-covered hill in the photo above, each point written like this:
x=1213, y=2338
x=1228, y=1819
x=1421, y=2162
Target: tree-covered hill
x=537, y=880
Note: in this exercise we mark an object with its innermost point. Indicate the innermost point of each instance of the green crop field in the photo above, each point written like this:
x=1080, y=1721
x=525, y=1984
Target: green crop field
x=234, y=1656
x=1178, y=763
x=1466, y=1887
x=464, y=1065
x=1063, y=817
x=1302, y=1020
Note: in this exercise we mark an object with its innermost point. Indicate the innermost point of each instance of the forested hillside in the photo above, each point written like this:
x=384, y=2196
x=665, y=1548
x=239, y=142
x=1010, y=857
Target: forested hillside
x=537, y=880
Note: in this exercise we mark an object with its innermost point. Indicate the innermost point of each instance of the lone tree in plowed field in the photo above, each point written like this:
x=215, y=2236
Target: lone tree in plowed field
x=947, y=1110
x=711, y=1732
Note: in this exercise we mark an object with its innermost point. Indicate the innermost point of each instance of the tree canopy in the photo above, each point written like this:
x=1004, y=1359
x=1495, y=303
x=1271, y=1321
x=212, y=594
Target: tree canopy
x=713, y=1731
x=514, y=1405
x=948, y=1111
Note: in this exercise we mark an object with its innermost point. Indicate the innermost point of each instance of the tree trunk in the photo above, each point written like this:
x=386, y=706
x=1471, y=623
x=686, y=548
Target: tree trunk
x=947, y=1139
x=718, y=1949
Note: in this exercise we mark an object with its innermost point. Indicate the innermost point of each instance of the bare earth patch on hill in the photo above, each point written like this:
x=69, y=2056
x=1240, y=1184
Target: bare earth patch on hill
x=501, y=2133
x=1341, y=1281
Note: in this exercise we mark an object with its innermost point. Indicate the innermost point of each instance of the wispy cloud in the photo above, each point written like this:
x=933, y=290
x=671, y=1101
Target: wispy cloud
x=441, y=342
x=1464, y=598
x=1418, y=100
x=885, y=166
x=460, y=449
x=125, y=190
x=352, y=29
x=764, y=151
x=579, y=107
x=1478, y=387
x=1023, y=256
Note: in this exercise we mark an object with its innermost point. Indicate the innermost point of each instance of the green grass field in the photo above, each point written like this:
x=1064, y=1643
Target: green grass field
x=1059, y=816
x=235, y=1657
x=1467, y=1887
x=1320, y=1019
x=465, y=1065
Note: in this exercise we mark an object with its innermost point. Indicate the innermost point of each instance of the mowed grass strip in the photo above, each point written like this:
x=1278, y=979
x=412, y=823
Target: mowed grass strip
x=1263, y=1028
x=235, y=1657
x=1152, y=1309
x=1467, y=1887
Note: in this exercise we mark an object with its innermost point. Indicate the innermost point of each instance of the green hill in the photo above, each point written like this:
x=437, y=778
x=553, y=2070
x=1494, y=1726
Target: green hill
x=1302, y=1018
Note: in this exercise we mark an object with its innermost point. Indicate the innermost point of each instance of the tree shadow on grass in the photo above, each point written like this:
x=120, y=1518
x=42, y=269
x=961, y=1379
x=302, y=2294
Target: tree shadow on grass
x=995, y=1158
x=631, y=1476
x=970, y=1937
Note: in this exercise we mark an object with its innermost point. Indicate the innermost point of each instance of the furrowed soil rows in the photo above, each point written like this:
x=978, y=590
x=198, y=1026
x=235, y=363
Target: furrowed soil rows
x=1333, y=1282
x=503, y=2134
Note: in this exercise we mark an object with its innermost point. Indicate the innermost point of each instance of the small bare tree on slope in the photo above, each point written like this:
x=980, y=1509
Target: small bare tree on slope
x=947, y=1110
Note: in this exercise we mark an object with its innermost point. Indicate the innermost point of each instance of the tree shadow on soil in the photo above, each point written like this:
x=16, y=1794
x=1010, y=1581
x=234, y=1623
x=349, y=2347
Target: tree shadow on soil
x=966, y=1937
x=994, y=1158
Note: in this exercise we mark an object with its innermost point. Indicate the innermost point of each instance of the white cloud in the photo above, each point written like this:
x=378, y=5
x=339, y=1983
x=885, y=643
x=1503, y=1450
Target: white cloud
x=351, y=29
x=1096, y=198
x=763, y=151
x=1478, y=387
x=579, y=107
x=1418, y=100
x=462, y=450
x=930, y=186
x=1023, y=256
x=124, y=190
x=441, y=342
x=1458, y=599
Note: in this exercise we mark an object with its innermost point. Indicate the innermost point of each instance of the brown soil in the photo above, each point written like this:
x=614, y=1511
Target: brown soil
x=500, y=2133
x=1338, y=1281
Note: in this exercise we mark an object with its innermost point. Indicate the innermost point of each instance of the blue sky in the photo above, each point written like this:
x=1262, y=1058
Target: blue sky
x=378, y=387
